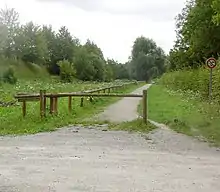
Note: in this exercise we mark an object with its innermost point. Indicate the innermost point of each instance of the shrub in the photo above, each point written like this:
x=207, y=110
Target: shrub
x=9, y=76
x=67, y=71
x=196, y=80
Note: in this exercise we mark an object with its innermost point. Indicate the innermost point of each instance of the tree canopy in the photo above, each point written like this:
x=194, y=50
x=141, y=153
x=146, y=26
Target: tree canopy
x=147, y=60
x=197, y=31
x=60, y=52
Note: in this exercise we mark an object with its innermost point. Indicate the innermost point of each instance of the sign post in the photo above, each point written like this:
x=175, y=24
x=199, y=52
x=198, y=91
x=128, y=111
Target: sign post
x=211, y=63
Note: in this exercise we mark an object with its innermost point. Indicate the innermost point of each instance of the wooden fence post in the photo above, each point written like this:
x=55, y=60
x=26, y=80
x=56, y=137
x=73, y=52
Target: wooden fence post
x=70, y=104
x=55, y=105
x=45, y=103
x=42, y=102
x=145, y=106
x=51, y=105
x=24, y=108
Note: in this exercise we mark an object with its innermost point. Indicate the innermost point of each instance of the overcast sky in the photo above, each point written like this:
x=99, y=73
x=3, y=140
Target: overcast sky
x=112, y=24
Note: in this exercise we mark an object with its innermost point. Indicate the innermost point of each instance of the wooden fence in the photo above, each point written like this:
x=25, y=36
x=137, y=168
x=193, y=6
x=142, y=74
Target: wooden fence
x=53, y=97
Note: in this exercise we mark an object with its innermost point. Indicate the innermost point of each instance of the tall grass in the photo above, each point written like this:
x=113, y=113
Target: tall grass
x=23, y=70
x=196, y=81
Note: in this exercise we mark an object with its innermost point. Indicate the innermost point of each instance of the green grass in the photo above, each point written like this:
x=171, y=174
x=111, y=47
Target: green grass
x=184, y=113
x=12, y=121
x=133, y=126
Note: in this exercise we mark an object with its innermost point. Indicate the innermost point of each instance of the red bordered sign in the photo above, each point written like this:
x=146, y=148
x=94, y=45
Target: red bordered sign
x=211, y=63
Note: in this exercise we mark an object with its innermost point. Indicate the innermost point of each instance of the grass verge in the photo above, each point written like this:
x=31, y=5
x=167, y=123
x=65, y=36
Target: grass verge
x=133, y=126
x=12, y=122
x=184, y=113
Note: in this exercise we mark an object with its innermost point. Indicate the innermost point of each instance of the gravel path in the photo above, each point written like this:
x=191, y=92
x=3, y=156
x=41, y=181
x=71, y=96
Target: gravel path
x=92, y=159
x=123, y=110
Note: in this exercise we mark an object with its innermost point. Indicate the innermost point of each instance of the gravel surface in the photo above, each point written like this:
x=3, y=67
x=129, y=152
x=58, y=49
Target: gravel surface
x=123, y=110
x=93, y=159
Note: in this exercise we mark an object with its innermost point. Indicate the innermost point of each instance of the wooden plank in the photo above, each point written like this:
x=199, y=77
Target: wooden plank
x=27, y=96
x=28, y=99
x=92, y=95
x=22, y=97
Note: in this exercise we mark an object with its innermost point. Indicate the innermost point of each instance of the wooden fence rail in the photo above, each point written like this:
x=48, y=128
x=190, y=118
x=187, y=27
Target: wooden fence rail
x=53, y=97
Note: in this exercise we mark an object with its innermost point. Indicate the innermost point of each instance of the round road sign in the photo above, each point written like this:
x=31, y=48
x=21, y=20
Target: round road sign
x=211, y=62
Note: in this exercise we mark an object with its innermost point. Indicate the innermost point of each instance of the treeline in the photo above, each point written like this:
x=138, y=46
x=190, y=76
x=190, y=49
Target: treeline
x=198, y=38
x=198, y=34
x=147, y=60
x=63, y=54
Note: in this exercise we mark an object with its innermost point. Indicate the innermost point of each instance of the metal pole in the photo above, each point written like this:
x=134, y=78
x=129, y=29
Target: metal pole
x=210, y=86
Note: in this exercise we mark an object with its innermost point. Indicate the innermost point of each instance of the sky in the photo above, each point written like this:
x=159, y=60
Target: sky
x=112, y=24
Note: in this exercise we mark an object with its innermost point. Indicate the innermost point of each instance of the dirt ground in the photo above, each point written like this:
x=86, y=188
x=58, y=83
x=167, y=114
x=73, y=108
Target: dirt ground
x=92, y=159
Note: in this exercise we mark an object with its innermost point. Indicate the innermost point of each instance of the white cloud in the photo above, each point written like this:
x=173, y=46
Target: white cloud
x=112, y=24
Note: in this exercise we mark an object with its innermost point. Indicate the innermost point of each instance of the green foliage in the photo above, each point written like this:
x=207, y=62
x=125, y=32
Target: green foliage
x=119, y=71
x=67, y=71
x=41, y=45
x=196, y=80
x=197, y=31
x=9, y=76
x=148, y=60
x=9, y=24
x=197, y=34
x=44, y=47
x=216, y=8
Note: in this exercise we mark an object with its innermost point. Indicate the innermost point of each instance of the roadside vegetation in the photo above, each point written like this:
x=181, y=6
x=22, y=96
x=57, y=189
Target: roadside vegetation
x=134, y=126
x=180, y=98
x=185, y=113
x=34, y=57
x=187, y=70
x=30, y=46
x=12, y=121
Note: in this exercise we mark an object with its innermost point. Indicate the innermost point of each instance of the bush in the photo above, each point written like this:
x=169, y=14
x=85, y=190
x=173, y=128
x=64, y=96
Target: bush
x=67, y=71
x=196, y=80
x=9, y=76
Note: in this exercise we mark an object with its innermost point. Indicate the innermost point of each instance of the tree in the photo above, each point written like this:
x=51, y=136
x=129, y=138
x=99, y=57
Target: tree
x=31, y=45
x=60, y=52
x=119, y=71
x=67, y=71
x=197, y=35
x=3, y=38
x=96, y=60
x=84, y=69
x=216, y=8
x=109, y=74
x=9, y=22
x=147, y=59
